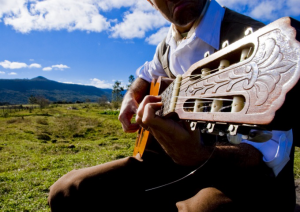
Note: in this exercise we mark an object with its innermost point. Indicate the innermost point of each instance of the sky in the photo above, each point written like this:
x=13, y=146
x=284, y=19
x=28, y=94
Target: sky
x=95, y=42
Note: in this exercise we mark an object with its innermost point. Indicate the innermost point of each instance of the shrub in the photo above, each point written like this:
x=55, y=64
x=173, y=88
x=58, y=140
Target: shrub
x=44, y=137
x=5, y=114
x=110, y=112
x=42, y=121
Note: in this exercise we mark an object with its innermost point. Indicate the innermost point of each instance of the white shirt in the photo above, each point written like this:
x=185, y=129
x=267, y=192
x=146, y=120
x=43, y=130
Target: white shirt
x=206, y=37
x=276, y=151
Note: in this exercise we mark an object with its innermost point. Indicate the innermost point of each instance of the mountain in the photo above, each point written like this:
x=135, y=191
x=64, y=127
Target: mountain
x=17, y=91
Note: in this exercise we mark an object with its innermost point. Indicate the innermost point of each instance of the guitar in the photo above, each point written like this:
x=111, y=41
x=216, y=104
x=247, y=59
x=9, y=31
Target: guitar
x=236, y=89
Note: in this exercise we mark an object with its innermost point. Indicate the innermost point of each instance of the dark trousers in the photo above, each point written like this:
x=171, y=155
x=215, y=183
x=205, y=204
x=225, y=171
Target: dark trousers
x=125, y=185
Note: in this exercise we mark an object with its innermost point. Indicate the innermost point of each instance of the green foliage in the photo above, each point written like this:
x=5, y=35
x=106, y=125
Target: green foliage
x=130, y=80
x=42, y=101
x=297, y=163
x=117, y=92
x=5, y=114
x=110, y=112
x=32, y=100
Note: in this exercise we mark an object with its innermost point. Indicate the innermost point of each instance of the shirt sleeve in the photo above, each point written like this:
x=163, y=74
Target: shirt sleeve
x=275, y=151
x=152, y=69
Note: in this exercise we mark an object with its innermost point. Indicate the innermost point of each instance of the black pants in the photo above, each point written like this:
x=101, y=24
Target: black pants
x=120, y=186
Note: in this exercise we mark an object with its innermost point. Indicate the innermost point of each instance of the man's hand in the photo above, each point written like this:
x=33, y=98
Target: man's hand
x=128, y=109
x=176, y=137
x=133, y=97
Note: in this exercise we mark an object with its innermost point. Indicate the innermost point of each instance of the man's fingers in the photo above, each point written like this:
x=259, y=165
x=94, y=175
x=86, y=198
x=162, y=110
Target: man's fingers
x=127, y=126
x=148, y=99
x=149, y=117
x=131, y=128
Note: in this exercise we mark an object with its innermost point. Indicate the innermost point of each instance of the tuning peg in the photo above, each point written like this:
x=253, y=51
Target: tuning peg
x=248, y=31
x=193, y=125
x=206, y=54
x=225, y=44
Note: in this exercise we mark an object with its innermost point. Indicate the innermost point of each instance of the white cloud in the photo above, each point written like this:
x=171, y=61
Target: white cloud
x=72, y=15
x=47, y=69
x=17, y=65
x=139, y=18
x=264, y=10
x=35, y=65
x=12, y=73
x=10, y=6
x=2, y=72
x=294, y=7
x=156, y=38
x=100, y=83
x=111, y=4
x=135, y=24
x=87, y=15
x=56, y=67
x=60, y=67
x=12, y=65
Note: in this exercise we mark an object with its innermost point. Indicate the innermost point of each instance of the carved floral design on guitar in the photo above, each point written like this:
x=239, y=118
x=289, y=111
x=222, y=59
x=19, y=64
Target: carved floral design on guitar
x=262, y=73
x=262, y=80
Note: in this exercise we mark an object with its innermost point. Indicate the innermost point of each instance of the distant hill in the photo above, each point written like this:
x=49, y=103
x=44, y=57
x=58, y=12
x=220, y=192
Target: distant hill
x=17, y=91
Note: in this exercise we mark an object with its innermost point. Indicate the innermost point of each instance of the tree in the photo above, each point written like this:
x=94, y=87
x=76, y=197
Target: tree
x=42, y=101
x=103, y=100
x=117, y=94
x=131, y=80
x=32, y=100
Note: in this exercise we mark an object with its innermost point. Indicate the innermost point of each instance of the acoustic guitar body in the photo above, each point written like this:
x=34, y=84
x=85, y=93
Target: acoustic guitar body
x=144, y=138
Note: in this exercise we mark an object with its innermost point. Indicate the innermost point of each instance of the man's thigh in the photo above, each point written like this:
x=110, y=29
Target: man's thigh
x=112, y=186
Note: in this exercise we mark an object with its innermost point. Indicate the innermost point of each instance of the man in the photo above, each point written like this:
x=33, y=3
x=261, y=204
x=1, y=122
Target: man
x=225, y=177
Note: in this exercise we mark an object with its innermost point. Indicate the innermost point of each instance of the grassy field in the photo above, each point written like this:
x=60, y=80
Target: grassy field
x=37, y=148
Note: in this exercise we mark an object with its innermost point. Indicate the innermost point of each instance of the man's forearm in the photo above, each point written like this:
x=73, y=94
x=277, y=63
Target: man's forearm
x=139, y=89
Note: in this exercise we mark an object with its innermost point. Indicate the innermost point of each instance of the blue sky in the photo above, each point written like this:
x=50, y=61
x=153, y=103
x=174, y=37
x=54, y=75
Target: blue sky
x=95, y=42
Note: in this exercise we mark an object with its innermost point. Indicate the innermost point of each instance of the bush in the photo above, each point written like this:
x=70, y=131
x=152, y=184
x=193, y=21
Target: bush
x=44, y=137
x=110, y=112
x=42, y=121
x=5, y=114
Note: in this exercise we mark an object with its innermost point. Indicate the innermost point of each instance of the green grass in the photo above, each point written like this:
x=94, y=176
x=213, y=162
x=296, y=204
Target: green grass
x=39, y=147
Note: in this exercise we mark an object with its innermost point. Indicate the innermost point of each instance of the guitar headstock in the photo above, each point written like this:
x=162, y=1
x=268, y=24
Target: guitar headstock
x=244, y=83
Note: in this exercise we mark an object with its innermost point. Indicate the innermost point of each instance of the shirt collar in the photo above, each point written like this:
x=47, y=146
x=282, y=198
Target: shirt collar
x=207, y=30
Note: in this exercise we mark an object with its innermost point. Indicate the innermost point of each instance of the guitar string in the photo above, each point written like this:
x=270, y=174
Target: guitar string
x=222, y=108
x=205, y=98
x=191, y=173
x=204, y=102
x=214, y=70
x=197, y=75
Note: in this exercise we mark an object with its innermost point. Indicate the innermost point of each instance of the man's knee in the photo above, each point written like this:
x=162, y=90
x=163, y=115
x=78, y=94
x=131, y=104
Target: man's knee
x=63, y=191
x=206, y=200
x=88, y=183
